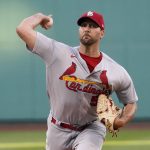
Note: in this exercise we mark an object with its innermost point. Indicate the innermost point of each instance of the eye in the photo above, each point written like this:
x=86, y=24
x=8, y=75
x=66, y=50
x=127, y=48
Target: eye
x=84, y=24
x=90, y=25
x=93, y=25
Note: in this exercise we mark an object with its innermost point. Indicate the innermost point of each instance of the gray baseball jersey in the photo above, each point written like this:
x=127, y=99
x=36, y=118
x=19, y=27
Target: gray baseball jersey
x=72, y=89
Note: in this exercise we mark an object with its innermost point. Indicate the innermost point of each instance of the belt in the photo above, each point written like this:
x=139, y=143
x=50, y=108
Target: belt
x=69, y=126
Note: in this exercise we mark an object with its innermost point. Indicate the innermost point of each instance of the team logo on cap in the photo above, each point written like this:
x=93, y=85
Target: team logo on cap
x=90, y=13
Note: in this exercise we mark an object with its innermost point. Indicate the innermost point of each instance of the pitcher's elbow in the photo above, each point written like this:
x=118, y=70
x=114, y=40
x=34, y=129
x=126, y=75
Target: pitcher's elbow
x=18, y=30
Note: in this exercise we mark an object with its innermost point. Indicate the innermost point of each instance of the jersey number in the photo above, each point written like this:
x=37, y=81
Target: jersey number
x=94, y=100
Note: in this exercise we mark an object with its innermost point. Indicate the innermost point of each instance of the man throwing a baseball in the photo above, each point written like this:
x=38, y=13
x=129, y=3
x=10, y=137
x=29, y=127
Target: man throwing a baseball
x=75, y=78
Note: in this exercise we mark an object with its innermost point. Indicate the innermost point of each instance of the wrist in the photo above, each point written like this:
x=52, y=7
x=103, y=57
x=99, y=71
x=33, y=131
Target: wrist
x=118, y=123
x=33, y=21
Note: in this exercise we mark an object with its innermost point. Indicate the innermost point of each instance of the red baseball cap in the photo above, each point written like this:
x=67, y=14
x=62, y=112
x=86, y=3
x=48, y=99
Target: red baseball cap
x=94, y=16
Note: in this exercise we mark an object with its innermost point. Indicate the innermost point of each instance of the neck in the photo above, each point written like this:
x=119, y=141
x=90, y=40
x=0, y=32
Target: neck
x=92, y=50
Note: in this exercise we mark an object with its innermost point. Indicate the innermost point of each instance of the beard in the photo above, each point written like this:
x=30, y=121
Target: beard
x=87, y=40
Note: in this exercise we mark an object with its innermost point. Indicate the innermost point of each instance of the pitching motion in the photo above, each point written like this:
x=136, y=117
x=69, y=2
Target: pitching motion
x=77, y=79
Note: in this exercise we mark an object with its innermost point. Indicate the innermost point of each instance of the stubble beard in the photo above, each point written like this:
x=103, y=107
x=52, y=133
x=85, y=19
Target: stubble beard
x=87, y=41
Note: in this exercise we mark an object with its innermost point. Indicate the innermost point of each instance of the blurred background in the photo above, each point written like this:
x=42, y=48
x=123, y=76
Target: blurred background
x=24, y=105
x=22, y=74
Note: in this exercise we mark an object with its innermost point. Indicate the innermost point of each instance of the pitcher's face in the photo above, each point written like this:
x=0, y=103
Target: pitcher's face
x=90, y=32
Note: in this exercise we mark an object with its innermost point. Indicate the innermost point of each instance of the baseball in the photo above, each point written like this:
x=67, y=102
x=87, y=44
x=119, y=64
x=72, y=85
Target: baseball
x=51, y=21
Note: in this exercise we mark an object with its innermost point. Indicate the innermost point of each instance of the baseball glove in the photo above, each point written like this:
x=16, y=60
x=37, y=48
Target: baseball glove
x=107, y=112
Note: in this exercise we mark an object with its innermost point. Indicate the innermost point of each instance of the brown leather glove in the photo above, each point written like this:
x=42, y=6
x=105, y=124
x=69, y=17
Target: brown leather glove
x=107, y=112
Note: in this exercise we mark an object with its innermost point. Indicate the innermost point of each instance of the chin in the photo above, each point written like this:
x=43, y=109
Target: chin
x=86, y=42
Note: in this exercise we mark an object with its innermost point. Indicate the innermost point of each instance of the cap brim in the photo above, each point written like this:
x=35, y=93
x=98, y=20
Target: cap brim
x=82, y=19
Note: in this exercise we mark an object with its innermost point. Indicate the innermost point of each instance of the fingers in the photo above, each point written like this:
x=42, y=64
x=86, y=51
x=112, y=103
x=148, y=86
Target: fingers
x=47, y=22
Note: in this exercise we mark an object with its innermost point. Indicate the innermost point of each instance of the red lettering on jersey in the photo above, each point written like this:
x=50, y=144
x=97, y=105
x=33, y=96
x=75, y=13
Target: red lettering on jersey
x=79, y=87
x=75, y=84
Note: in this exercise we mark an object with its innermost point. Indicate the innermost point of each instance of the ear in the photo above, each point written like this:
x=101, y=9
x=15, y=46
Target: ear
x=102, y=33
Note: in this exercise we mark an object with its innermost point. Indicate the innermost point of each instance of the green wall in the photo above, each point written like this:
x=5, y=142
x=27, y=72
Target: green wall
x=22, y=75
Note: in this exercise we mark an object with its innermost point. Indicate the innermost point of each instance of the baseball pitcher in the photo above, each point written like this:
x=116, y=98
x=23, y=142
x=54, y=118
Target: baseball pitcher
x=80, y=81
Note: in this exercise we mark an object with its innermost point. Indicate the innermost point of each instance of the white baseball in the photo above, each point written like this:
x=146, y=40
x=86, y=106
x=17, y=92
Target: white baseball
x=51, y=21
